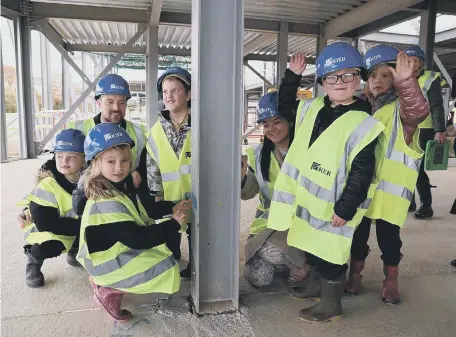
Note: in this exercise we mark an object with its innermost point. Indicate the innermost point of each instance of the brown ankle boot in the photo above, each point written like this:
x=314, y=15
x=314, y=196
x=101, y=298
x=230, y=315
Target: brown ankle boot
x=110, y=299
x=354, y=278
x=390, y=293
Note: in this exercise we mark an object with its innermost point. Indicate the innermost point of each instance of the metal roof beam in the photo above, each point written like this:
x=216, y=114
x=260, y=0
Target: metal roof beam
x=445, y=35
x=443, y=6
x=77, y=12
x=363, y=15
x=391, y=38
x=95, y=13
x=376, y=25
x=12, y=8
x=155, y=11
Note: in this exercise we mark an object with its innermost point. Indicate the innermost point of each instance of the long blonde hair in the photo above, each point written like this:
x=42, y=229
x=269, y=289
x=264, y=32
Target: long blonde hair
x=95, y=184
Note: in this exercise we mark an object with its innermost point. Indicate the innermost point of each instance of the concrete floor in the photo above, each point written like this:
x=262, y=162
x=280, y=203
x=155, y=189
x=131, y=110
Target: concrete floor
x=64, y=307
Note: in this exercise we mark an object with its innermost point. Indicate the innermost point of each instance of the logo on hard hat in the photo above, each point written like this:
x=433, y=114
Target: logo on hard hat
x=109, y=136
x=265, y=110
x=372, y=58
x=62, y=143
x=118, y=87
x=333, y=61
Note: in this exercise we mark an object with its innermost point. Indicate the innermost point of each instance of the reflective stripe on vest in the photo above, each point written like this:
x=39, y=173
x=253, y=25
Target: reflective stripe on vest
x=79, y=125
x=303, y=110
x=265, y=188
x=49, y=193
x=396, y=155
x=102, y=269
x=175, y=171
x=341, y=176
x=398, y=171
x=430, y=76
x=311, y=182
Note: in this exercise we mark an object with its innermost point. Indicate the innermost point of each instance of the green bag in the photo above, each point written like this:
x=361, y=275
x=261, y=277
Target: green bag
x=436, y=156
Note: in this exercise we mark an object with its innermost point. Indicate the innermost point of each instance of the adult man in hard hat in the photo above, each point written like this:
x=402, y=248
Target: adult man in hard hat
x=433, y=127
x=111, y=94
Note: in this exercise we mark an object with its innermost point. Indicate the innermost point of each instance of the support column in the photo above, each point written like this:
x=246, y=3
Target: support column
x=46, y=79
x=282, y=52
x=3, y=126
x=427, y=32
x=217, y=48
x=25, y=102
x=66, y=82
x=151, y=76
x=321, y=44
x=85, y=107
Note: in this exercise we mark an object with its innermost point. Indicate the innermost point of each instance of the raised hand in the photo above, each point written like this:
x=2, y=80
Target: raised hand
x=298, y=63
x=405, y=66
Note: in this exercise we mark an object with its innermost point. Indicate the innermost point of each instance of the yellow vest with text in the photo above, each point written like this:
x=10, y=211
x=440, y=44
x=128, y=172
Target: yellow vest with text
x=138, y=271
x=312, y=179
x=399, y=171
x=266, y=187
x=137, y=132
x=175, y=172
x=49, y=193
x=425, y=81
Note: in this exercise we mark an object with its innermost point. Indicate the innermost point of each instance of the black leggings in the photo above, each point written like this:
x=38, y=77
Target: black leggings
x=388, y=238
x=327, y=270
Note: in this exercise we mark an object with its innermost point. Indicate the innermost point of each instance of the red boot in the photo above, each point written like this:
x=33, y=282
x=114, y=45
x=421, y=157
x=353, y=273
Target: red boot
x=110, y=299
x=354, y=278
x=390, y=293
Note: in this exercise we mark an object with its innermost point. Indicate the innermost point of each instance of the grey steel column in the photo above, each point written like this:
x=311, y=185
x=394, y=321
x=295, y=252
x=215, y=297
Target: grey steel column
x=151, y=76
x=85, y=107
x=321, y=44
x=217, y=107
x=25, y=102
x=427, y=32
x=282, y=52
x=46, y=79
x=3, y=127
x=66, y=82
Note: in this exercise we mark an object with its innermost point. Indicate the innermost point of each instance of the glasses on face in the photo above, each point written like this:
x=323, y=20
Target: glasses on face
x=346, y=78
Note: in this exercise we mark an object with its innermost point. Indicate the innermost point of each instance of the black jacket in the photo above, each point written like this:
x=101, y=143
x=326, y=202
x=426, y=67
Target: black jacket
x=103, y=237
x=362, y=169
x=435, y=98
x=47, y=219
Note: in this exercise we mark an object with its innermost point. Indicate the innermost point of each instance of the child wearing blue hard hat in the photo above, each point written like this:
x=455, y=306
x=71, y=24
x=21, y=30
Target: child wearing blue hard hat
x=397, y=102
x=432, y=128
x=54, y=227
x=329, y=171
x=120, y=247
x=267, y=249
x=169, y=148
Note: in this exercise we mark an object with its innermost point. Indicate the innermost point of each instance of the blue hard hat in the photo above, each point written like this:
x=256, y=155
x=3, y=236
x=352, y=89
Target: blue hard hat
x=337, y=56
x=69, y=140
x=112, y=84
x=104, y=136
x=177, y=72
x=382, y=53
x=267, y=107
x=416, y=51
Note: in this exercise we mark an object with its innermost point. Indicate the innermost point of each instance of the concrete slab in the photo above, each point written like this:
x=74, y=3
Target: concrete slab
x=64, y=307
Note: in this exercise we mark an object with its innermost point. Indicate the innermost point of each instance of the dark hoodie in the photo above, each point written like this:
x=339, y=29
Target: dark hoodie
x=104, y=236
x=363, y=166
